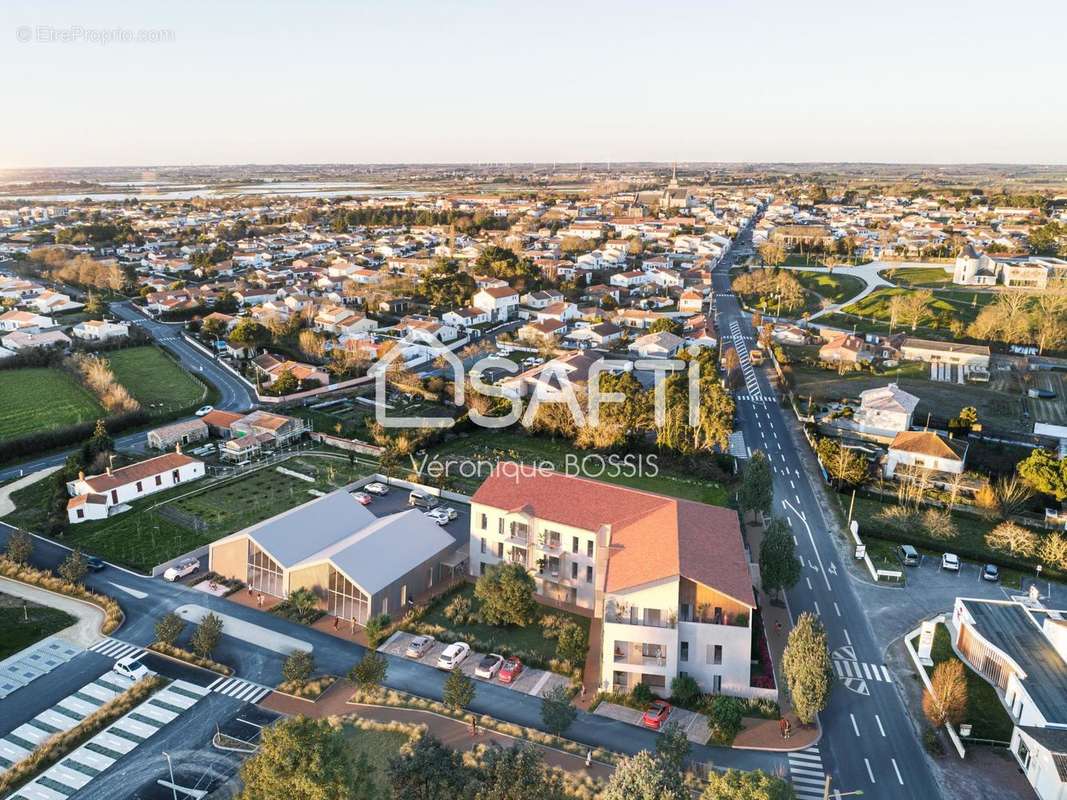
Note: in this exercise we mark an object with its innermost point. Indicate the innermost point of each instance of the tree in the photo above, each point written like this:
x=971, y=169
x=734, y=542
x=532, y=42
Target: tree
x=645, y=777
x=1045, y=473
x=458, y=690
x=518, y=773
x=99, y=442
x=685, y=691
x=806, y=664
x=757, y=488
x=305, y=759
x=375, y=629
x=94, y=306
x=736, y=785
x=666, y=325
x=19, y=547
x=571, y=646
x=206, y=636
x=725, y=715
x=73, y=568
x=370, y=671
x=304, y=602
x=298, y=666
x=946, y=699
x=1053, y=550
x=169, y=628
x=915, y=307
x=557, y=712
x=965, y=420
x=285, y=383
x=844, y=465
x=672, y=746
x=1013, y=539
x=506, y=592
x=778, y=563
x=428, y=771
x=249, y=333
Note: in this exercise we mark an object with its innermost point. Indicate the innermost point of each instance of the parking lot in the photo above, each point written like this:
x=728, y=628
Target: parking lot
x=695, y=725
x=531, y=681
x=397, y=500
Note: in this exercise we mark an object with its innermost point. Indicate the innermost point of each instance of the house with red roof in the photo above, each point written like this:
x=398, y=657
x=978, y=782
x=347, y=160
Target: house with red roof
x=669, y=579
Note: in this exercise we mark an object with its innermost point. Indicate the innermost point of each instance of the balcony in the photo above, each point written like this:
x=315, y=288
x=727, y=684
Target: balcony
x=624, y=614
x=550, y=544
x=519, y=534
x=640, y=655
x=715, y=616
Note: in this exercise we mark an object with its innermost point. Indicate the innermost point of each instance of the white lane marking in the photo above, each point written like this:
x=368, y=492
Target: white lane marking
x=838, y=610
x=817, y=612
x=888, y=677
x=870, y=772
x=796, y=542
x=878, y=719
x=897, y=771
x=132, y=592
x=797, y=498
x=855, y=727
x=811, y=537
x=847, y=639
x=810, y=587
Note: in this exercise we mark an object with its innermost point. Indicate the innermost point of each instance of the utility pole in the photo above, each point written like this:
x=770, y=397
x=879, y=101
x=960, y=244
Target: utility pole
x=851, y=505
x=174, y=790
x=837, y=795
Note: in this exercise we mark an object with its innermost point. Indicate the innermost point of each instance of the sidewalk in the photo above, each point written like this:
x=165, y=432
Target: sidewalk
x=6, y=503
x=90, y=618
x=452, y=733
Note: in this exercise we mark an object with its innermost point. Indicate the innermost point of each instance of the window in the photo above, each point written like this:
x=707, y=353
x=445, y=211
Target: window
x=574, y=569
x=264, y=574
x=485, y=521
x=483, y=544
x=716, y=654
x=499, y=549
x=716, y=684
x=175, y=476
x=403, y=595
x=159, y=480
x=114, y=495
x=139, y=487
x=684, y=653
x=385, y=605
x=81, y=513
x=500, y=526
x=574, y=544
x=589, y=548
x=588, y=574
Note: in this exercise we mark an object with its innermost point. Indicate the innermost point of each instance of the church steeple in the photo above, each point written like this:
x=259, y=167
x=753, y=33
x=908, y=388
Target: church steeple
x=674, y=175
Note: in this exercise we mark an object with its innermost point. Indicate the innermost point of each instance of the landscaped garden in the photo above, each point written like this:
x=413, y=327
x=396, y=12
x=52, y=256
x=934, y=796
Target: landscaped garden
x=20, y=627
x=155, y=380
x=834, y=288
x=40, y=398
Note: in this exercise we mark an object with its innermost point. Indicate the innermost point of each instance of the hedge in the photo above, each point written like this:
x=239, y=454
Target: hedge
x=43, y=579
x=181, y=654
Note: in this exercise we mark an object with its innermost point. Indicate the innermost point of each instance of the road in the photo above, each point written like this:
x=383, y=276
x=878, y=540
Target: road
x=234, y=394
x=868, y=741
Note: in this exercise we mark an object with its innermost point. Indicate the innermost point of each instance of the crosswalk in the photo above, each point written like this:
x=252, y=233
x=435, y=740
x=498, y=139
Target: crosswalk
x=806, y=774
x=754, y=391
x=240, y=689
x=113, y=648
x=860, y=669
x=750, y=398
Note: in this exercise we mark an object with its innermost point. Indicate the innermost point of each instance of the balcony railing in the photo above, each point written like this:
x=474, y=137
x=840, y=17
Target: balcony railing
x=635, y=656
x=551, y=545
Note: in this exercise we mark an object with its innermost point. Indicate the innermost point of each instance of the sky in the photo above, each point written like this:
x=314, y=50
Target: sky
x=318, y=81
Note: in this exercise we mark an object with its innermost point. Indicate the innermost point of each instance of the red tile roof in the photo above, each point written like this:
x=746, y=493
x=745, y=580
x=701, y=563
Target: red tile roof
x=138, y=471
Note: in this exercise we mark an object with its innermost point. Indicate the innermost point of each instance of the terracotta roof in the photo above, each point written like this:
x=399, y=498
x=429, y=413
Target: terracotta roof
x=652, y=537
x=221, y=419
x=499, y=292
x=138, y=471
x=927, y=443
x=82, y=499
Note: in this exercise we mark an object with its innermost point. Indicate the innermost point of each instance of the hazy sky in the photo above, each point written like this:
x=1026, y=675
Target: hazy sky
x=720, y=80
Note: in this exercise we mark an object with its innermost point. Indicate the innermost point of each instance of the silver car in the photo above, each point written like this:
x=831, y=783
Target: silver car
x=419, y=646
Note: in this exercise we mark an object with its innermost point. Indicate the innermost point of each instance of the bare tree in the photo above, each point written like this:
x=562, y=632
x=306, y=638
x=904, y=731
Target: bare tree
x=1013, y=539
x=946, y=700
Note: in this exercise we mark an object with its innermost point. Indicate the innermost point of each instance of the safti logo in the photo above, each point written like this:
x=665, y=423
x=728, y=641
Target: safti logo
x=552, y=386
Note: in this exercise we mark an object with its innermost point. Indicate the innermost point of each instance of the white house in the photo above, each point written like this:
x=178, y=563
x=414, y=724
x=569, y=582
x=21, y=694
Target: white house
x=49, y=302
x=927, y=450
x=500, y=302
x=466, y=317
x=93, y=497
x=888, y=408
x=19, y=320
x=541, y=299
x=561, y=312
x=97, y=330
x=656, y=345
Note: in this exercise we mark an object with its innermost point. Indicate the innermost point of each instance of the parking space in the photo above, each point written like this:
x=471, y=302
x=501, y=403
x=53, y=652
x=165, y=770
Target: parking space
x=695, y=725
x=34, y=661
x=397, y=500
x=531, y=681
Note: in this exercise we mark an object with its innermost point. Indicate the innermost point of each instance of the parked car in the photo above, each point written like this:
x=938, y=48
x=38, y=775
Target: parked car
x=421, y=499
x=94, y=564
x=441, y=515
x=379, y=489
x=453, y=655
x=362, y=498
x=187, y=566
x=950, y=561
x=419, y=646
x=991, y=572
x=510, y=670
x=655, y=717
x=204, y=410
x=908, y=555
x=489, y=666
x=132, y=667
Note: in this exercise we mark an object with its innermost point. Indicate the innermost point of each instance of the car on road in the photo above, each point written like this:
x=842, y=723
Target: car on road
x=132, y=667
x=656, y=715
x=419, y=646
x=379, y=489
x=442, y=515
x=185, y=567
x=489, y=666
x=950, y=561
x=991, y=572
x=362, y=498
x=510, y=670
x=94, y=564
x=453, y=655
x=204, y=410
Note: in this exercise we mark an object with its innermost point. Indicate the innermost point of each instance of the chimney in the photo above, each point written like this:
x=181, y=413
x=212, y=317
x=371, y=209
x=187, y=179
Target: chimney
x=81, y=475
x=178, y=448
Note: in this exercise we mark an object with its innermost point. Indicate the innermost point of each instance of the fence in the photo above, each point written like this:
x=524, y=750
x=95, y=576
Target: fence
x=351, y=445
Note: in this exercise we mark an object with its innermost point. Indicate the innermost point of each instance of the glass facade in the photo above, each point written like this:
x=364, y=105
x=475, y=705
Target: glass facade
x=344, y=600
x=264, y=575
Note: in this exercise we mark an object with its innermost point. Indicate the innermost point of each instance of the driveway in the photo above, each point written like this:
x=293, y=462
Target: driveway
x=695, y=725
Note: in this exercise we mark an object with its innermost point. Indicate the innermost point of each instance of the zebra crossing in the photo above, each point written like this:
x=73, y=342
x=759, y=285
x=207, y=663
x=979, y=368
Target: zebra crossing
x=754, y=392
x=239, y=689
x=113, y=648
x=806, y=773
x=860, y=669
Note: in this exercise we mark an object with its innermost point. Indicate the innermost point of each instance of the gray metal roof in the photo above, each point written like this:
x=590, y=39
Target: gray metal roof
x=299, y=533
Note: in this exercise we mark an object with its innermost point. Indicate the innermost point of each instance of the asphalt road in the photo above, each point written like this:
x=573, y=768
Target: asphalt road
x=234, y=394
x=869, y=742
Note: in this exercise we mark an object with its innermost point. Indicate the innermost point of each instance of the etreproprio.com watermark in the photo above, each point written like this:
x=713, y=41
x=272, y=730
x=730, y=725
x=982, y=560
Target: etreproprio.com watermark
x=82, y=34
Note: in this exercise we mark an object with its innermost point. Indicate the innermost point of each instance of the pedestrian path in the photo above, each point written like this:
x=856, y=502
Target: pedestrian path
x=754, y=392
x=239, y=689
x=77, y=770
x=61, y=717
x=113, y=648
x=34, y=661
x=806, y=774
x=860, y=669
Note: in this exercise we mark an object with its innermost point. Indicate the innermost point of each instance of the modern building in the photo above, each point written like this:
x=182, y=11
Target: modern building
x=98, y=330
x=358, y=565
x=670, y=579
x=975, y=356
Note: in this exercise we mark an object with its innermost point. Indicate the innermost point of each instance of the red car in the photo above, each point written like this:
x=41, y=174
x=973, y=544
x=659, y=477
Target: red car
x=656, y=715
x=362, y=498
x=510, y=670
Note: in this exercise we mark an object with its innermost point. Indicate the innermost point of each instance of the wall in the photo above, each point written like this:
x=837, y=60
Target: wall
x=229, y=558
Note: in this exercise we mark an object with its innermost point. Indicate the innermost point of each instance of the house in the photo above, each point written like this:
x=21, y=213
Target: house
x=691, y=302
x=656, y=345
x=358, y=565
x=669, y=578
x=562, y=312
x=886, y=409
x=21, y=320
x=27, y=340
x=95, y=496
x=49, y=302
x=599, y=335
x=787, y=333
x=630, y=280
x=927, y=450
x=219, y=422
x=542, y=298
x=427, y=330
x=185, y=432
x=466, y=317
x=846, y=349
x=1021, y=650
x=542, y=330
x=546, y=381
x=271, y=367
x=97, y=330
x=500, y=302
x=972, y=356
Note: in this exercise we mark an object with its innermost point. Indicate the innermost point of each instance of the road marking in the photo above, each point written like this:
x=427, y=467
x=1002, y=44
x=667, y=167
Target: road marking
x=855, y=727
x=897, y=771
x=838, y=610
x=797, y=498
x=796, y=542
x=845, y=631
x=792, y=486
x=132, y=592
x=879, y=721
x=870, y=772
x=812, y=538
x=810, y=587
x=817, y=612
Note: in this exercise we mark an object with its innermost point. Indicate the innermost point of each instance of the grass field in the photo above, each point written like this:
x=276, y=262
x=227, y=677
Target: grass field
x=493, y=446
x=16, y=633
x=918, y=276
x=835, y=288
x=159, y=384
x=39, y=398
x=165, y=525
x=377, y=747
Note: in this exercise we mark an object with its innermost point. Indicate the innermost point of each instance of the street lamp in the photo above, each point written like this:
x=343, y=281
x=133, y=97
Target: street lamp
x=838, y=794
x=174, y=789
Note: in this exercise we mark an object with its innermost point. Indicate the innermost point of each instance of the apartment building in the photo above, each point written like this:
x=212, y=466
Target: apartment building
x=670, y=579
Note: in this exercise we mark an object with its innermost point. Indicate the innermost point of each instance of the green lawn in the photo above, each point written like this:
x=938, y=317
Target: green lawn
x=377, y=746
x=835, y=288
x=166, y=524
x=872, y=314
x=988, y=718
x=39, y=398
x=155, y=380
x=493, y=446
x=16, y=633
x=504, y=640
x=919, y=276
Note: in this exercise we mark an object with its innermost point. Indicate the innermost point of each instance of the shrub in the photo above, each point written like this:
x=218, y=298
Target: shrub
x=46, y=580
x=572, y=645
x=685, y=691
x=557, y=713
x=207, y=635
x=552, y=624
x=932, y=743
x=370, y=671
x=73, y=568
x=169, y=628
x=298, y=666
x=725, y=715
x=938, y=523
x=375, y=630
x=641, y=695
x=184, y=655
x=19, y=547
x=458, y=612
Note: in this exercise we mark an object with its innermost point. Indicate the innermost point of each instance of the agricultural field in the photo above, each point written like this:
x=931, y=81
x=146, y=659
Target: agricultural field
x=40, y=398
x=155, y=380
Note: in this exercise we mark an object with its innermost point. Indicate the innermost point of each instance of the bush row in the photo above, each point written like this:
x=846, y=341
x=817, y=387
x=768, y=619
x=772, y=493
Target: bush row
x=309, y=689
x=181, y=654
x=46, y=580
